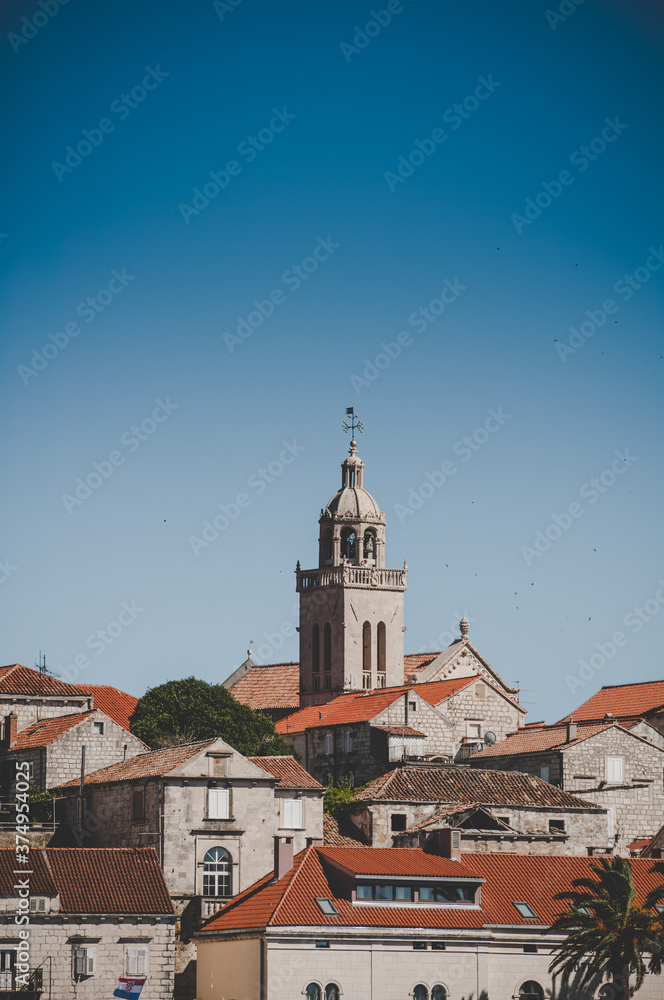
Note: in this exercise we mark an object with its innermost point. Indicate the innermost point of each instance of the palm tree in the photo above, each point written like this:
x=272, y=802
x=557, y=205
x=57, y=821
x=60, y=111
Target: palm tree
x=608, y=930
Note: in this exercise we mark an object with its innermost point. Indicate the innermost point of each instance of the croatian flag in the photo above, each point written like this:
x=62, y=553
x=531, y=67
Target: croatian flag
x=129, y=989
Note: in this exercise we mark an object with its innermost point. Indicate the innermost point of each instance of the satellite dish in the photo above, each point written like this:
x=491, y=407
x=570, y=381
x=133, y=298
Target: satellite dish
x=489, y=738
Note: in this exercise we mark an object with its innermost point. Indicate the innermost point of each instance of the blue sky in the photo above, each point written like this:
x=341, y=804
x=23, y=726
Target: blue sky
x=503, y=156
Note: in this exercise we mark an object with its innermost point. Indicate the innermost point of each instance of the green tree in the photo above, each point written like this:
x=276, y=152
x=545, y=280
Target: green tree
x=608, y=932
x=189, y=710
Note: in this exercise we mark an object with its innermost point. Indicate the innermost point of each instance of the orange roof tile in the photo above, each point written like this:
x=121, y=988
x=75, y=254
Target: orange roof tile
x=41, y=880
x=414, y=663
x=45, y=731
x=116, y=704
x=109, y=880
x=622, y=700
x=399, y=730
x=508, y=879
x=292, y=774
x=468, y=785
x=155, y=764
x=273, y=686
x=545, y=738
x=338, y=831
x=17, y=679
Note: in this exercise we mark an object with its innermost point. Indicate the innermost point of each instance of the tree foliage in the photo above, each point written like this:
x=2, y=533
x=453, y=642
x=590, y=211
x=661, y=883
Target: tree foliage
x=190, y=709
x=608, y=933
x=338, y=799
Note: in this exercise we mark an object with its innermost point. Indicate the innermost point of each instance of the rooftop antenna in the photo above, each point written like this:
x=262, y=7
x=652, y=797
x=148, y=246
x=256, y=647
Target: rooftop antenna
x=355, y=422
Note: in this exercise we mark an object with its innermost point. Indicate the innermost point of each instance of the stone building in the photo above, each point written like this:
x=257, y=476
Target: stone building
x=212, y=815
x=92, y=917
x=637, y=707
x=600, y=762
x=392, y=923
x=359, y=735
x=493, y=810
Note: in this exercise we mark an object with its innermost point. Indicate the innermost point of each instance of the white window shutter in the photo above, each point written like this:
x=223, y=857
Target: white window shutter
x=218, y=803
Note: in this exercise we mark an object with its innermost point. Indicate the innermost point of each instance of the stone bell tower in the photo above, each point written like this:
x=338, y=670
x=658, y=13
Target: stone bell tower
x=351, y=607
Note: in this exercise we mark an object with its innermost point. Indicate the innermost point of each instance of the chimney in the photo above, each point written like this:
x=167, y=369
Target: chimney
x=571, y=730
x=448, y=843
x=314, y=841
x=283, y=856
x=11, y=730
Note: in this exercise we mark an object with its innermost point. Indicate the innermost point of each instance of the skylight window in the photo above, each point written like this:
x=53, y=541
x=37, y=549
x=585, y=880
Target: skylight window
x=526, y=911
x=327, y=907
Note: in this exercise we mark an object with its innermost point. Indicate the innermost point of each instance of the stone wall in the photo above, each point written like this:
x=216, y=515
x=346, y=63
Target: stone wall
x=30, y=709
x=481, y=704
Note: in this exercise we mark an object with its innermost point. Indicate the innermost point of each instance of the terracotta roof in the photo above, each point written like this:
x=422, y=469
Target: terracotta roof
x=399, y=730
x=546, y=738
x=413, y=663
x=292, y=774
x=273, y=686
x=469, y=785
x=338, y=831
x=17, y=679
x=116, y=704
x=45, y=731
x=147, y=765
x=622, y=700
x=108, y=880
x=638, y=845
x=41, y=881
x=508, y=879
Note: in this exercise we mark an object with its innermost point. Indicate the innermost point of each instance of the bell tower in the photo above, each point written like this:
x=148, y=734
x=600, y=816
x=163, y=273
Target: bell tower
x=351, y=607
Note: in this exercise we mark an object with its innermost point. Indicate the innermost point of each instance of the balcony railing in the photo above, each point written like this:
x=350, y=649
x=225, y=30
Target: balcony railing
x=351, y=576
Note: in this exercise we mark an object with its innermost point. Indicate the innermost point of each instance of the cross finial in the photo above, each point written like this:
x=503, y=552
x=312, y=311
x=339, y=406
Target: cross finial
x=354, y=424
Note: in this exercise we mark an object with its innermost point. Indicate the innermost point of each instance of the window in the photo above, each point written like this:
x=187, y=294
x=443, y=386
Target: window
x=380, y=648
x=316, y=682
x=420, y=992
x=398, y=821
x=37, y=904
x=84, y=962
x=403, y=892
x=315, y=648
x=544, y=772
x=419, y=946
x=412, y=706
x=331, y=991
x=366, y=680
x=138, y=802
x=219, y=804
x=7, y=964
x=293, y=813
x=438, y=992
x=614, y=769
x=322, y=944
x=530, y=949
x=348, y=741
x=526, y=911
x=98, y=727
x=384, y=892
x=329, y=743
x=348, y=544
x=556, y=826
x=327, y=646
x=327, y=681
x=531, y=991
x=366, y=646
x=473, y=729
x=447, y=893
x=364, y=892
x=313, y=991
x=327, y=907
x=369, y=553
x=136, y=960
x=217, y=872
x=438, y=946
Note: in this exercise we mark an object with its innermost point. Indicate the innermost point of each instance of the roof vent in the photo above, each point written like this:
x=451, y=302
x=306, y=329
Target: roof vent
x=609, y=715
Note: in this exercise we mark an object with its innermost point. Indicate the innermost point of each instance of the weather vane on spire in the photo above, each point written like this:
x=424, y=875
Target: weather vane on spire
x=355, y=422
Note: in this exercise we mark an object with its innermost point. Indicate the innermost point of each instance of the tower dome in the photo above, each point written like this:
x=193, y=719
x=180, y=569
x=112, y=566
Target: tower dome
x=352, y=502
x=352, y=525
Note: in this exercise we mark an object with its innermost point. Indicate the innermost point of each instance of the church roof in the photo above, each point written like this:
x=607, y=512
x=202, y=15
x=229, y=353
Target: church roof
x=276, y=685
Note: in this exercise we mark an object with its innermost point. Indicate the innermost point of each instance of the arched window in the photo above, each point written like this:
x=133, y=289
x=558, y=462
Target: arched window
x=380, y=643
x=438, y=992
x=315, y=648
x=420, y=992
x=327, y=646
x=329, y=743
x=348, y=544
x=369, y=548
x=531, y=991
x=313, y=991
x=217, y=870
x=331, y=991
x=366, y=646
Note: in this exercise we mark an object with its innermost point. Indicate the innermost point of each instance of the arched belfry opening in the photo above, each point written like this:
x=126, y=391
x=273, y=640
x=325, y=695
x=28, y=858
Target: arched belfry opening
x=351, y=606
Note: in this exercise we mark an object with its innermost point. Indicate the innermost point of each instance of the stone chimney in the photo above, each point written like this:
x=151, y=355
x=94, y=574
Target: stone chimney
x=11, y=730
x=571, y=730
x=283, y=856
x=314, y=841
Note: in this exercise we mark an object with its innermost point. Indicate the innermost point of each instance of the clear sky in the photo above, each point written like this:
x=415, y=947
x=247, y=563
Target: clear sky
x=214, y=217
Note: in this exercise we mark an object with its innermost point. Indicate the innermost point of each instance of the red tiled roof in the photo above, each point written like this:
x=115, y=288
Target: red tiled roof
x=273, y=686
x=116, y=704
x=546, y=738
x=414, y=663
x=468, y=785
x=17, y=679
x=622, y=700
x=508, y=878
x=45, y=731
x=146, y=765
x=399, y=730
x=638, y=845
x=340, y=832
x=41, y=881
x=108, y=880
x=292, y=774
